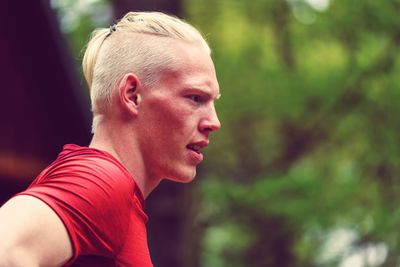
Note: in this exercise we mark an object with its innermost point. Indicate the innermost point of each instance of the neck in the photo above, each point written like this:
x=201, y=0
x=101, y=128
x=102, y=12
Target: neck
x=120, y=142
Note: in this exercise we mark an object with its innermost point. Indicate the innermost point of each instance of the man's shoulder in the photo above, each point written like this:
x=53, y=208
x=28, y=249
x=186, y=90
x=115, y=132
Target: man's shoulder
x=75, y=156
x=85, y=172
x=83, y=163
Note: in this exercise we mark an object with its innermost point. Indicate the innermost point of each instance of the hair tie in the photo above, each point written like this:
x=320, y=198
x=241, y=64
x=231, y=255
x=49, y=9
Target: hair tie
x=113, y=28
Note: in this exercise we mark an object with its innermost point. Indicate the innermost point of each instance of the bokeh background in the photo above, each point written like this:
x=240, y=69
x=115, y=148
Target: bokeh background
x=305, y=170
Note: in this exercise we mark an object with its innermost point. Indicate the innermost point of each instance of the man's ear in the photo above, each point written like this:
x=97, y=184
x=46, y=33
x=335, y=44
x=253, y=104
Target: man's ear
x=129, y=93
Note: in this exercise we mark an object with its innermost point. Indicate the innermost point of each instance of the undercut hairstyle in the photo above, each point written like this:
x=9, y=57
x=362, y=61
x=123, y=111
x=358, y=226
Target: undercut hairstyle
x=139, y=43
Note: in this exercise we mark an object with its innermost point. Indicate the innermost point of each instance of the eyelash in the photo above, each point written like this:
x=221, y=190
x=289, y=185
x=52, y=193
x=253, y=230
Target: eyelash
x=195, y=98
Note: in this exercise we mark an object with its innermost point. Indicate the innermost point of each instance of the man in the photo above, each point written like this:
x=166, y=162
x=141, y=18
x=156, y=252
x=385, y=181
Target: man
x=153, y=86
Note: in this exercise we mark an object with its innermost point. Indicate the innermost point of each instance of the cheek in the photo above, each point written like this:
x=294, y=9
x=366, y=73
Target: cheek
x=170, y=116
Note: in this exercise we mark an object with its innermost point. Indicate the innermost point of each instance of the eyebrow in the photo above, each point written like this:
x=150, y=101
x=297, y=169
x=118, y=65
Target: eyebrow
x=205, y=91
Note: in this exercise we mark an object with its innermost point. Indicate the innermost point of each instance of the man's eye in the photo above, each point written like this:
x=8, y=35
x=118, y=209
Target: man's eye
x=195, y=98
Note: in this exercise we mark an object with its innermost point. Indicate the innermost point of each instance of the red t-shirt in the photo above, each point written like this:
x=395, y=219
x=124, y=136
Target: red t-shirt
x=100, y=206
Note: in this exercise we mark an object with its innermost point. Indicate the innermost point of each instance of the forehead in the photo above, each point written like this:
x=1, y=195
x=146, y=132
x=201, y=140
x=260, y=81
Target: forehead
x=194, y=68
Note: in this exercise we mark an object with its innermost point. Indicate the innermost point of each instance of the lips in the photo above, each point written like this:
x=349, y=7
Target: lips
x=195, y=148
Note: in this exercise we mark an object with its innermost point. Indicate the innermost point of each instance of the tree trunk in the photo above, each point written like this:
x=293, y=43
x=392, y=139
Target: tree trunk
x=281, y=14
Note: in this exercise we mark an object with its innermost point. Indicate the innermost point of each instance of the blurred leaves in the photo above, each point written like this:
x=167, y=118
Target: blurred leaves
x=309, y=132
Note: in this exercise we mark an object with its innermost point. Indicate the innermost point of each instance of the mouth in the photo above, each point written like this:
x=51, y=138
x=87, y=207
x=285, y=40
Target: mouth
x=193, y=147
x=197, y=146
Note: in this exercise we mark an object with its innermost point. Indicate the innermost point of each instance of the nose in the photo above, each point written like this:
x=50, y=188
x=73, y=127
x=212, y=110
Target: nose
x=210, y=122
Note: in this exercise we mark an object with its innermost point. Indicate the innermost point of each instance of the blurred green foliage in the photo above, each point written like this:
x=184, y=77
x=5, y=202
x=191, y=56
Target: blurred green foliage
x=308, y=153
x=309, y=139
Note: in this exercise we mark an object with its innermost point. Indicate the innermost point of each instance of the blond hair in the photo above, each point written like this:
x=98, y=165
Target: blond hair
x=138, y=43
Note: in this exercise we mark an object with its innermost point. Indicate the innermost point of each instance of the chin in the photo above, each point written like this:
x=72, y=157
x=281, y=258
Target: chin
x=183, y=177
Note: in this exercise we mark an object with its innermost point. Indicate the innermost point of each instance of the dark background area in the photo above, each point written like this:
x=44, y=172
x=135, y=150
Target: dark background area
x=43, y=105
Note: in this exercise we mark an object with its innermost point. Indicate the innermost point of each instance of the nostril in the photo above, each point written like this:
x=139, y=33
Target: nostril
x=211, y=128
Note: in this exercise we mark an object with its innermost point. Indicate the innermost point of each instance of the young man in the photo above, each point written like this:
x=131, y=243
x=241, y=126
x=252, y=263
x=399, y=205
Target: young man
x=153, y=86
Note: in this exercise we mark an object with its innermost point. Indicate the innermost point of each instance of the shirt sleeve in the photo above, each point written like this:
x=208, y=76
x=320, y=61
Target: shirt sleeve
x=93, y=198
